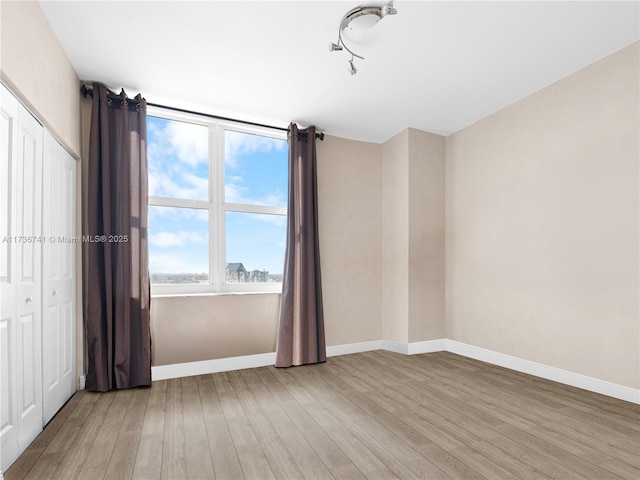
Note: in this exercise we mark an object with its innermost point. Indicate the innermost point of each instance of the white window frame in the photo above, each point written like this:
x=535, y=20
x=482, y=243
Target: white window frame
x=216, y=206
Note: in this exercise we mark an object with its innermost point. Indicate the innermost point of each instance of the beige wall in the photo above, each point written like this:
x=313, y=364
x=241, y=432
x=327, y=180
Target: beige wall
x=413, y=237
x=204, y=327
x=426, y=236
x=36, y=69
x=194, y=328
x=395, y=238
x=350, y=202
x=542, y=225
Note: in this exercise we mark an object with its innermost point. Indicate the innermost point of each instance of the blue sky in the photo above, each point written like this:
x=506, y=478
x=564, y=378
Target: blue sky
x=255, y=174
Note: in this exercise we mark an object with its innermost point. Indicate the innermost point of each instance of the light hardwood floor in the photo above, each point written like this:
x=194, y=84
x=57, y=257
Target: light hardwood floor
x=370, y=415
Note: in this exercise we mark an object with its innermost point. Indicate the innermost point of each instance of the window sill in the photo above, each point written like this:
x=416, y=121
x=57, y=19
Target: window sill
x=209, y=294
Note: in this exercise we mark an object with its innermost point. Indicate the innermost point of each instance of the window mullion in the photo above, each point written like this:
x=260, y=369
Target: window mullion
x=213, y=214
x=221, y=237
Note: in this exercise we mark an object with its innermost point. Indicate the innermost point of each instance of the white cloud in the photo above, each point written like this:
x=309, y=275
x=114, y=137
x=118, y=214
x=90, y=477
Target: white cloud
x=194, y=186
x=190, y=142
x=276, y=220
x=186, y=142
x=234, y=192
x=179, y=185
x=237, y=143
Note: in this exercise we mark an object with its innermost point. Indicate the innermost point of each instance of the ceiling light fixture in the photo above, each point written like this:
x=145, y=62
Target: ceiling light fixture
x=360, y=18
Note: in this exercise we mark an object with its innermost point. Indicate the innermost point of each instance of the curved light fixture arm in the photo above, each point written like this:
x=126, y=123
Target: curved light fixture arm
x=378, y=11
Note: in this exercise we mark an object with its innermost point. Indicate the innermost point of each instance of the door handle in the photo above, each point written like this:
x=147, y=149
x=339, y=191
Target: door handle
x=28, y=300
x=54, y=293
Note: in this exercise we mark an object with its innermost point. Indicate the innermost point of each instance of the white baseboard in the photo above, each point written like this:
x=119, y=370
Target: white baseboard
x=413, y=348
x=164, y=372
x=346, y=349
x=397, y=347
x=177, y=370
x=427, y=346
x=544, y=371
x=82, y=384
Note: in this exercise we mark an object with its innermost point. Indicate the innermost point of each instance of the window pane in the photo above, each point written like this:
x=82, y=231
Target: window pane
x=178, y=159
x=255, y=169
x=178, y=245
x=255, y=247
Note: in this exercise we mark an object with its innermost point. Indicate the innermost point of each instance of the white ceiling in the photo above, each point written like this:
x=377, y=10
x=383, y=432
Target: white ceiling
x=435, y=66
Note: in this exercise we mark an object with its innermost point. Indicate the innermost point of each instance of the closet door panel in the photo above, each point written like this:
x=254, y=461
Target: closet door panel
x=28, y=249
x=8, y=410
x=8, y=292
x=7, y=214
x=59, y=276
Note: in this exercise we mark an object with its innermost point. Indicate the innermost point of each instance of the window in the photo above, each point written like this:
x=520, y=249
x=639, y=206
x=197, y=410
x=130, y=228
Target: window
x=217, y=205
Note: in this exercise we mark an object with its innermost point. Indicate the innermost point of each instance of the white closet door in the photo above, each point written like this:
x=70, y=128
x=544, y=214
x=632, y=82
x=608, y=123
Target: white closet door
x=8, y=293
x=37, y=277
x=28, y=251
x=58, y=325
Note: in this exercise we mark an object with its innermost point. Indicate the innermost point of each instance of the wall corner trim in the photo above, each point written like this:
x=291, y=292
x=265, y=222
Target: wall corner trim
x=397, y=347
x=164, y=372
x=427, y=346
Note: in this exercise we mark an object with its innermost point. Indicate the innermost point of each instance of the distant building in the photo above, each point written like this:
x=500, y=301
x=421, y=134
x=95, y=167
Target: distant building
x=275, y=277
x=236, y=273
x=259, y=276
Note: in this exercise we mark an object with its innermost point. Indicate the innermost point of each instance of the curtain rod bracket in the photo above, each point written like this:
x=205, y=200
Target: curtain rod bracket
x=86, y=91
x=304, y=135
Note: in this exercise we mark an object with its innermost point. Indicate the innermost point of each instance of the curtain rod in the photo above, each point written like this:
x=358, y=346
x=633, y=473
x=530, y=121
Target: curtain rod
x=89, y=92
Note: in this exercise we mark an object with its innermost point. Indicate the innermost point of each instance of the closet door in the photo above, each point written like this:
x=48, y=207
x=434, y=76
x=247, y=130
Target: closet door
x=8, y=292
x=28, y=248
x=58, y=323
x=21, y=272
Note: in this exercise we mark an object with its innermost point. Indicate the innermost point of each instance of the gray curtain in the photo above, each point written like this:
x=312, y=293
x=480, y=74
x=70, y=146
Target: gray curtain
x=116, y=268
x=301, y=324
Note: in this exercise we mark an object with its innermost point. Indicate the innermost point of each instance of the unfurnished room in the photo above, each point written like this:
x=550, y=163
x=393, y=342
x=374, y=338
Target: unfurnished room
x=320, y=240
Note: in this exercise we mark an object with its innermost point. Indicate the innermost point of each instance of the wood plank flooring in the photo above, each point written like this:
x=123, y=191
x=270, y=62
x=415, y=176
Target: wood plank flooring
x=374, y=415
